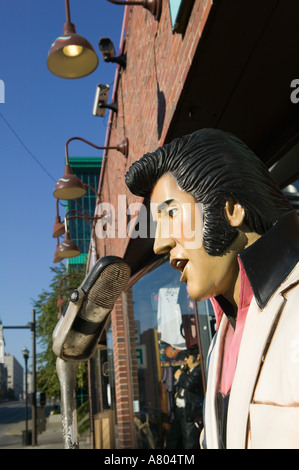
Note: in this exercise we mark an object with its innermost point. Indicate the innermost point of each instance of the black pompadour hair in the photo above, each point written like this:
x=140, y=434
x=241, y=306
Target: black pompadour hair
x=214, y=166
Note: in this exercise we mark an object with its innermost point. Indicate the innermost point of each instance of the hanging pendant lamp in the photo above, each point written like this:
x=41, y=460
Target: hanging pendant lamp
x=71, y=55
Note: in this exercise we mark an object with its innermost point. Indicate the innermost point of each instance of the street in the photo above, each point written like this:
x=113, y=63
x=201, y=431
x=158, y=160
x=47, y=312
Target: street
x=12, y=425
x=12, y=413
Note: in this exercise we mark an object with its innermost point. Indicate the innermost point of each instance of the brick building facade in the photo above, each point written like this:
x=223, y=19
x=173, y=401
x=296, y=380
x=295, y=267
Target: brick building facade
x=231, y=67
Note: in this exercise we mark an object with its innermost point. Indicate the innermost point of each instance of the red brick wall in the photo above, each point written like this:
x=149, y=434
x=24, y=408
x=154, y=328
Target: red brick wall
x=125, y=371
x=157, y=64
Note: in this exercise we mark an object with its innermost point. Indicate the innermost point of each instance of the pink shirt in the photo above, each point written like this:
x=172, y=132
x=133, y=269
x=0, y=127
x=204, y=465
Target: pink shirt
x=233, y=336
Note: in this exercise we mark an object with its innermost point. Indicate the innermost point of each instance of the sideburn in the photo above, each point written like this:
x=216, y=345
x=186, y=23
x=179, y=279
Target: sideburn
x=218, y=234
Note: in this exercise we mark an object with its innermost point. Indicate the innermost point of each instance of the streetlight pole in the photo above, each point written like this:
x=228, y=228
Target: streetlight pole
x=34, y=410
x=26, y=355
x=32, y=327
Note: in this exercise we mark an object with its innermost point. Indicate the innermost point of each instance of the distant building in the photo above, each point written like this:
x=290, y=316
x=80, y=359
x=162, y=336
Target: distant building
x=88, y=170
x=3, y=381
x=15, y=375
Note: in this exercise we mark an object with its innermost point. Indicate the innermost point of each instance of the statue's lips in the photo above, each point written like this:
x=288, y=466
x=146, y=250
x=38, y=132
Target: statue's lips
x=179, y=264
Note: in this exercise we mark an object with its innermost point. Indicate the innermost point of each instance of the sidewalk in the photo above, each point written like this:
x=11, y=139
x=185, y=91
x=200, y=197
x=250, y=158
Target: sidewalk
x=51, y=438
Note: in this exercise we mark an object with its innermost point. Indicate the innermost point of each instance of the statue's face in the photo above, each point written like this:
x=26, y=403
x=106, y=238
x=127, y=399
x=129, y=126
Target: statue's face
x=191, y=361
x=179, y=233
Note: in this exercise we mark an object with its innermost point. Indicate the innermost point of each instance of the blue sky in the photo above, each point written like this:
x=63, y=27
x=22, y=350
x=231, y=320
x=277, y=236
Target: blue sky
x=40, y=113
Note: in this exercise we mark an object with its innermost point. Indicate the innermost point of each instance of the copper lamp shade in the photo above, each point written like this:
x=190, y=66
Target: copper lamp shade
x=69, y=186
x=67, y=249
x=58, y=229
x=56, y=259
x=71, y=55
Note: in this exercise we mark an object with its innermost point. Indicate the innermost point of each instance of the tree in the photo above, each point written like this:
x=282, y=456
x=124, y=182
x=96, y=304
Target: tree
x=47, y=318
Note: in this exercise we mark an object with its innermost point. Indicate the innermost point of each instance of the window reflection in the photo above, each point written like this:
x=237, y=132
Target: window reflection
x=165, y=327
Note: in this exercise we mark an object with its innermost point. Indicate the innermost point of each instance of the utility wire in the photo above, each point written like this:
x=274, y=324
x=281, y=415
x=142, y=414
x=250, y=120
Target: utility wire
x=27, y=149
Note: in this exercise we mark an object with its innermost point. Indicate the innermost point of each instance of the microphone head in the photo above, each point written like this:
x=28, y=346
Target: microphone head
x=78, y=331
x=106, y=281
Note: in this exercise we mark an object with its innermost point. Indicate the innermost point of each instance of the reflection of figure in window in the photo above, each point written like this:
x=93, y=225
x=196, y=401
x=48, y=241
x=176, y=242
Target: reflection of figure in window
x=185, y=430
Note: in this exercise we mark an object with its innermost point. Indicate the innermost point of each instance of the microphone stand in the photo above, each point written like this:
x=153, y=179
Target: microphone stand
x=67, y=371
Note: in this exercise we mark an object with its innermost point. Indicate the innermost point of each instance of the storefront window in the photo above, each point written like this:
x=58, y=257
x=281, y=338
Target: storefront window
x=104, y=378
x=165, y=327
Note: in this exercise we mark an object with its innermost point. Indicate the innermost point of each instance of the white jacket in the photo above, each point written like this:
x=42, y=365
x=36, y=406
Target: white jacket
x=263, y=409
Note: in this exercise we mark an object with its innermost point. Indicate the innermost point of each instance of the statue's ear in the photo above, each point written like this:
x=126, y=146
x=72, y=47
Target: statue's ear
x=234, y=213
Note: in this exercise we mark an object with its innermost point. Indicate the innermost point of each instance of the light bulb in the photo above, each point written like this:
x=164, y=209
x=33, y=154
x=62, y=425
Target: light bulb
x=72, y=50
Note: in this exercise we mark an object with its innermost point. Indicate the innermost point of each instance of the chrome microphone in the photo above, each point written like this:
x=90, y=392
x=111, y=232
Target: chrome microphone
x=78, y=331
